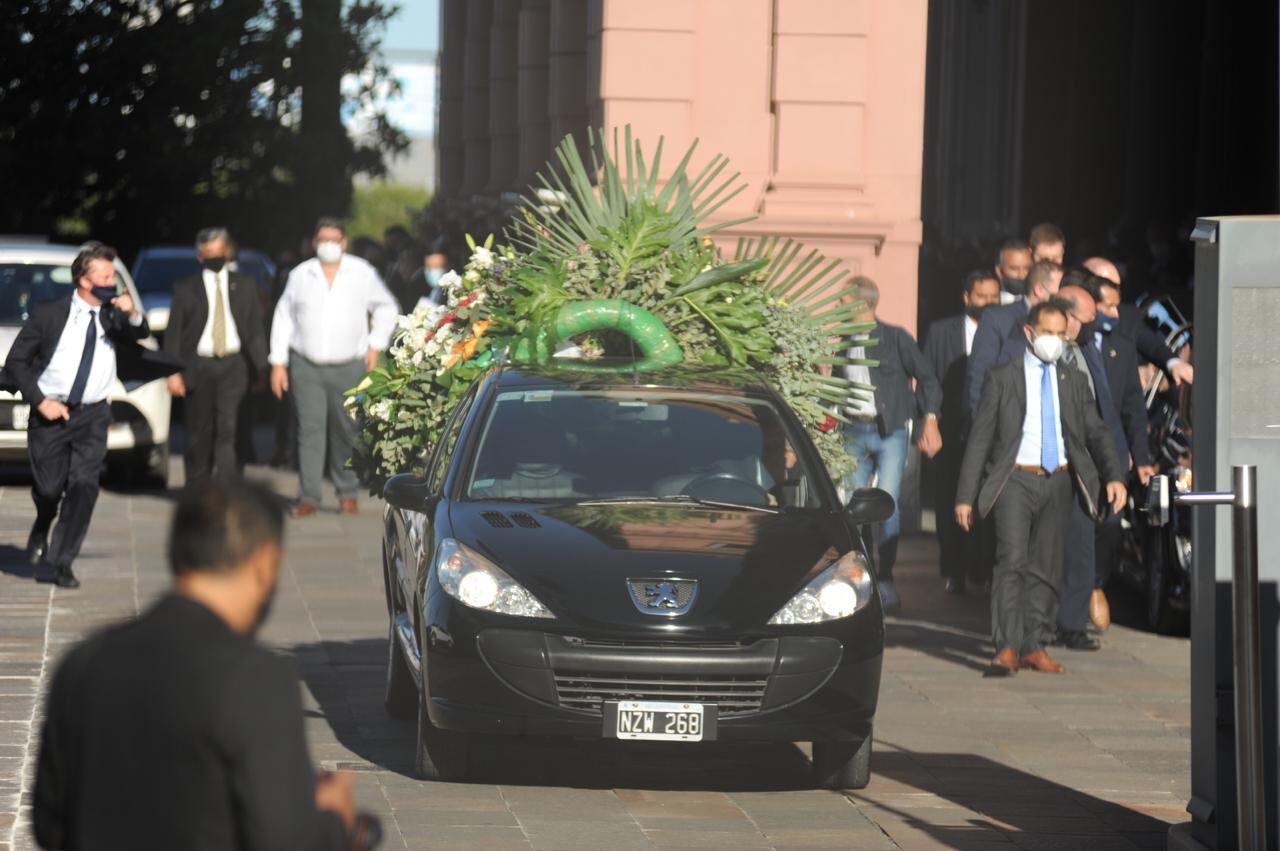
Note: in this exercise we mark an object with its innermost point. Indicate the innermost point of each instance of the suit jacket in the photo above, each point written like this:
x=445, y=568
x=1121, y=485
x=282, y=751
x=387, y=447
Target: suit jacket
x=36, y=342
x=1119, y=360
x=1149, y=343
x=900, y=361
x=996, y=435
x=171, y=731
x=944, y=350
x=999, y=339
x=190, y=311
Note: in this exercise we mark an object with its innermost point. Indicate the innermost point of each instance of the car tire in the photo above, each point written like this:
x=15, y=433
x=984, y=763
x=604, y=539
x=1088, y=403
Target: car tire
x=401, y=692
x=441, y=754
x=842, y=765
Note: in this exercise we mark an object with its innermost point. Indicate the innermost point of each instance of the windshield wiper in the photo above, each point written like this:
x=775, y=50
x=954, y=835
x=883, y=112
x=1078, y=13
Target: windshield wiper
x=680, y=498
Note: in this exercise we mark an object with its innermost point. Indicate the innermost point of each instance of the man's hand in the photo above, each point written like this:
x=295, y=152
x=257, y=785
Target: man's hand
x=279, y=380
x=964, y=516
x=52, y=409
x=371, y=359
x=334, y=793
x=930, y=441
x=1117, y=495
x=124, y=304
x=177, y=387
x=1145, y=473
x=1183, y=373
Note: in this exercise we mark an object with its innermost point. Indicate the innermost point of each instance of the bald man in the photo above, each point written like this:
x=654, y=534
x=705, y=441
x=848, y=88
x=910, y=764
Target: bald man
x=1126, y=320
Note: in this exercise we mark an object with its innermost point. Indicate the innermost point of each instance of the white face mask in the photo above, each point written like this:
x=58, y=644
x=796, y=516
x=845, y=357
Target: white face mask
x=1047, y=347
x=329, y=251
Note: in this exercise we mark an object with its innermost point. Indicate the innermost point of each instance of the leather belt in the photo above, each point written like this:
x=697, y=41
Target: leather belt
x=1038, y=471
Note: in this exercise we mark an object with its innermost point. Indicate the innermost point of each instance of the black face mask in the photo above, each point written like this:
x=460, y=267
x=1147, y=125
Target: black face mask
x=1015, y=286
x=974, y=311
x=214, y=264
x=104, y=294
x=1106, y=324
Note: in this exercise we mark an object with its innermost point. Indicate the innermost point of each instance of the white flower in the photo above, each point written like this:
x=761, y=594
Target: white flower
x=481, y=258
x=450, y=281
x=381, y=410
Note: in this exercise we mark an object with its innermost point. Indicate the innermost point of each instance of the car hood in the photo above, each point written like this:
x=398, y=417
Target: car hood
x=578, y=559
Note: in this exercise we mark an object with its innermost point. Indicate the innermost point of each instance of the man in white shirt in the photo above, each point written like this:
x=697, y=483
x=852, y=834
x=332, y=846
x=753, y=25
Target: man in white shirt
x=64, y=361
x=216, y=328
x=333, y=320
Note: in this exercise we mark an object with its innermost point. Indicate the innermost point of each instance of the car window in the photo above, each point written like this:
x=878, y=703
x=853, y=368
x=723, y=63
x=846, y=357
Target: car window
x=444, y=452
x=572, y=445
x=24, y=285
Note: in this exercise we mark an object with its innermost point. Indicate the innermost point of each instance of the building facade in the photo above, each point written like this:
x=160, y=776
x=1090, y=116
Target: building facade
x=818, y=103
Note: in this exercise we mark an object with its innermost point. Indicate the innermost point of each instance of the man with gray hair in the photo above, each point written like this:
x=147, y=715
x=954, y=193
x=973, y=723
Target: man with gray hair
x=217, y=330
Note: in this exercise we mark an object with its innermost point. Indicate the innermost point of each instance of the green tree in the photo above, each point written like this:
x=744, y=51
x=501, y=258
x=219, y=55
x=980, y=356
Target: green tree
x=147, y=119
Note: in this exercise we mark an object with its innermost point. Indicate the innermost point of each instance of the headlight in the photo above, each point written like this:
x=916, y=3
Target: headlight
x=474, y=581
x=837, y=592
x=1182, y=479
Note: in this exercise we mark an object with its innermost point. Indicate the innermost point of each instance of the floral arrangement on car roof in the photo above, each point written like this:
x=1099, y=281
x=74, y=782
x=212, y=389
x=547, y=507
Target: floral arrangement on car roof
x=622, y=265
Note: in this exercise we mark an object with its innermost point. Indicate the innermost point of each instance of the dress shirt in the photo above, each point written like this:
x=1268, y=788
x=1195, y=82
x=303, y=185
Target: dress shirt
x=60, y=374
x=1029, y=450
x=204, y=348
x=861, y=374
x=331, y=323
x=970, y=329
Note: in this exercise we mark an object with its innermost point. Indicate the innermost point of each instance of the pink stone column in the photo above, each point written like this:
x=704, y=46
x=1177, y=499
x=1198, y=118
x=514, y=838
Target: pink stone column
x=533, y=123
x=453, y=34
x=504, y=140
x=475, y=99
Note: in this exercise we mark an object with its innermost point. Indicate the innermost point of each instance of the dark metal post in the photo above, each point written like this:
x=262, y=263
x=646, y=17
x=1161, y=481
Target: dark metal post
x=1248, y=666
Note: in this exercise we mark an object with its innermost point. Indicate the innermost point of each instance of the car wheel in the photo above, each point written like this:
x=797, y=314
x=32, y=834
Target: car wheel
x=441, y=754
x=842, y=765
x=401, y=691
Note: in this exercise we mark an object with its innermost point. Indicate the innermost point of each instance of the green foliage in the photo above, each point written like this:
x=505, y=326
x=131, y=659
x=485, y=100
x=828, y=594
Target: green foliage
x=377, y=206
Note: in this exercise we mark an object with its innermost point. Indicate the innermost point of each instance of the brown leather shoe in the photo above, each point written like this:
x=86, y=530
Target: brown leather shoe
x=1099, y=610
x=348, y=506
x=1005, y=664
x=304, y=508
x=1040, y=661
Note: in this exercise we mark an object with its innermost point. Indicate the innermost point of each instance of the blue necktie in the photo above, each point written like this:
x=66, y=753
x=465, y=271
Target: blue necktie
x=1048, y=423
x=86, y=361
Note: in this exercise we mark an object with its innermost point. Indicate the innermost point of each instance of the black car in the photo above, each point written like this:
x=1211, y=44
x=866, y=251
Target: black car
x=652, y=557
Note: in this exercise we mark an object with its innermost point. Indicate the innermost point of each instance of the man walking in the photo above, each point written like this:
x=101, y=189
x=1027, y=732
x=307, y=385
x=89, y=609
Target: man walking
x=1013, y=265
x=876, y=435
x=177, y=730
x=217, y=330
x=1035, y=433
x=333, y=320
x=64, y=361
x=946, y=347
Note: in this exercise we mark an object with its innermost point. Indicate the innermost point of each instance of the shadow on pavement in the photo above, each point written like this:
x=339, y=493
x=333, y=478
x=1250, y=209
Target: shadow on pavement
x=1000, y=801
x=13, y=562
x=346, y=679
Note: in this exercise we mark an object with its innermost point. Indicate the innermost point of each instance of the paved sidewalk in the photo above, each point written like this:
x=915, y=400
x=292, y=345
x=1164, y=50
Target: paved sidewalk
x=1098, y=758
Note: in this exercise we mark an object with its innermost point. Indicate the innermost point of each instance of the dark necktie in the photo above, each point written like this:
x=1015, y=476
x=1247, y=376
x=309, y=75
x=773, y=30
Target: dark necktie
x=86, y=361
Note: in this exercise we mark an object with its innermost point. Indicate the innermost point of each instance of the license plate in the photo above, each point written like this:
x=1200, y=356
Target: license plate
x=657, y=721
x=20, y=417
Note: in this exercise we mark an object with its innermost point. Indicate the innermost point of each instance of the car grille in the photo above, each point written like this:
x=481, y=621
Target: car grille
x=734, y=695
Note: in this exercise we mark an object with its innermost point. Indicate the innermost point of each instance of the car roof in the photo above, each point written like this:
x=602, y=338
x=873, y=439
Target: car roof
x=711, y=379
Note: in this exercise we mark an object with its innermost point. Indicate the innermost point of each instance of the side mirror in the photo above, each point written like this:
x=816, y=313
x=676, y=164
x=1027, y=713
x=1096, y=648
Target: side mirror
x=870, y=505
x=1157, y=504
x=406, y=491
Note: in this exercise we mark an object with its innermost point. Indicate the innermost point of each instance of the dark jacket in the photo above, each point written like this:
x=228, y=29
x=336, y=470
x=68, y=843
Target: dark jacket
x=1150, y=345
x=996, y=435
x=38, y=339
x=944, y=350
x=172, y=731
x=999, y=339
x=900, y=361
x=1123, y=408
x=190, y=311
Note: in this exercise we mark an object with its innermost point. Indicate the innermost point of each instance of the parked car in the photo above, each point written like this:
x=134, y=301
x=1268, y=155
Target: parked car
x=159, y=267
x=654, y=557
x=138, y=438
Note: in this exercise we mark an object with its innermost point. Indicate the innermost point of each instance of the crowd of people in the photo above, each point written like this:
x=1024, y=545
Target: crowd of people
x=1031, y=408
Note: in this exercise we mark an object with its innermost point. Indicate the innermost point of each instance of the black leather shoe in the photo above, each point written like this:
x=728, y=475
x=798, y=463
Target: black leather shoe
x=37, y=546
x=65, y=578
x=954, y=585
x=1077, y=641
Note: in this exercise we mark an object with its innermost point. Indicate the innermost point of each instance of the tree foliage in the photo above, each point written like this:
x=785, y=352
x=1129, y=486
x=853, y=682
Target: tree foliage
x=147, y=119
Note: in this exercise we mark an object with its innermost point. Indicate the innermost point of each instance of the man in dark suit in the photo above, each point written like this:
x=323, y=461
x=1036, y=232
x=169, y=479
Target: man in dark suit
x=946, y=348
x=64, y=361
x=1125, y=318
x=177, y=730
x=876, y=435
x=1000, y=336
x=1035, y=434
x=217, y=330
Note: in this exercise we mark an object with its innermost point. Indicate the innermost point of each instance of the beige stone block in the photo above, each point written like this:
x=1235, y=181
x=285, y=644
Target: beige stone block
x=824, y=17
x=819, y=142
x=648, y=64
x=831, y=69
x=668, y=15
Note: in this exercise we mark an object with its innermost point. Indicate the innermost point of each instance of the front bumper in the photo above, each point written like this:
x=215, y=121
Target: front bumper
x=139, y=419
x=766, y=688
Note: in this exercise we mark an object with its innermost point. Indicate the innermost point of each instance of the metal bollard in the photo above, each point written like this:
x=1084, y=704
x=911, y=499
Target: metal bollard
x=1247, y=664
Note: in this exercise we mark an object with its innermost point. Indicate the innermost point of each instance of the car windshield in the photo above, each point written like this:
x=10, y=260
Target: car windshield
x=579, y=445
x=159, y=274
x=24, y=285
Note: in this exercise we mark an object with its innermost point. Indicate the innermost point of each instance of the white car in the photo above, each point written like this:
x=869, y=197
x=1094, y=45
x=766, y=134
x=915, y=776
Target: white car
x=138, y=438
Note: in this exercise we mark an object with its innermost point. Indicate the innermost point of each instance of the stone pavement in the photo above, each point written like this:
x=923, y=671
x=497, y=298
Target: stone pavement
x=1098, y=758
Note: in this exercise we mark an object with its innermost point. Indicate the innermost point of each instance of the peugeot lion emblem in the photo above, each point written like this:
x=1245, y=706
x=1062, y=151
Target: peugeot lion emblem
x=663, y=597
